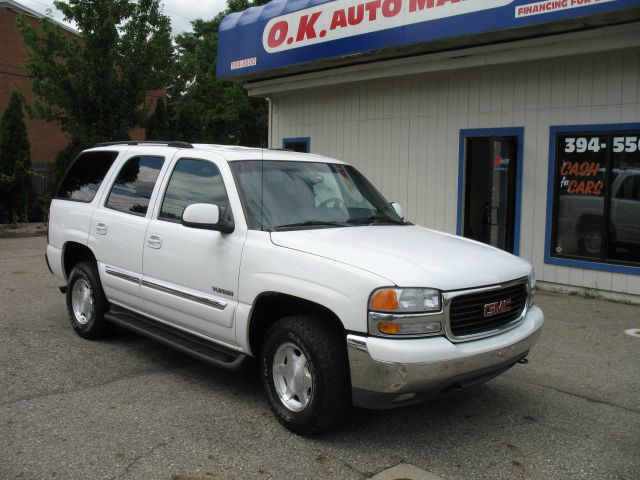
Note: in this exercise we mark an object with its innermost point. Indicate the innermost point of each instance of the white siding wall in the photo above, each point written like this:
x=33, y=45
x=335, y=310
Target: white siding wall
x=403, y=134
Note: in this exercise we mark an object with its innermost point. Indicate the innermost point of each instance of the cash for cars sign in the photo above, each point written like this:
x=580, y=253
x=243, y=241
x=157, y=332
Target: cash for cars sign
x=290, y=32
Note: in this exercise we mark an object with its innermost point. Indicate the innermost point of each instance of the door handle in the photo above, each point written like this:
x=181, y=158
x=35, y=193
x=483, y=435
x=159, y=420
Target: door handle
x=491, y=215
x=154, y=241
x=101, y=228
x=494, y=216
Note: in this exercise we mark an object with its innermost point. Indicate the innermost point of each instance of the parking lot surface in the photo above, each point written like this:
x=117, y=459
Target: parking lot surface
x=128, y=408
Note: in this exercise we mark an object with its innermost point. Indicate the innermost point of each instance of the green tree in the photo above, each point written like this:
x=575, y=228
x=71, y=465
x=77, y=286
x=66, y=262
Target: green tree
x=16, y=191
x=94, y=84
x=203, y=108
x=158, y=124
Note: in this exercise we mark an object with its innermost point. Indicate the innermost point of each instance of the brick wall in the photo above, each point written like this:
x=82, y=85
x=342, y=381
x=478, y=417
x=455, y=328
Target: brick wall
x=46, y=138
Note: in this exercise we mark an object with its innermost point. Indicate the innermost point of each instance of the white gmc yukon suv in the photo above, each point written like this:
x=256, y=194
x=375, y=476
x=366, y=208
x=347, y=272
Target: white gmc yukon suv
x=229, y=253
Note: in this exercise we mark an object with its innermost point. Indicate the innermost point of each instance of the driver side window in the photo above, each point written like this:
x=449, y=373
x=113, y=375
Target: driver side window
x=192, y=181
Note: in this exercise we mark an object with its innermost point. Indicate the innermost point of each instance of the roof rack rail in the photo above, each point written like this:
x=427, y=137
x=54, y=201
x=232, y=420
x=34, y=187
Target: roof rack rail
x=174, y=144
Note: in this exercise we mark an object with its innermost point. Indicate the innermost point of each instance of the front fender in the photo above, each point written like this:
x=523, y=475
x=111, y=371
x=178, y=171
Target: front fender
x=341, y=288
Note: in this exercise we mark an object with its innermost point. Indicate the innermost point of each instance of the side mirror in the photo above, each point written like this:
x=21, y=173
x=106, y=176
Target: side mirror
x=207, y=217
x=396, y=206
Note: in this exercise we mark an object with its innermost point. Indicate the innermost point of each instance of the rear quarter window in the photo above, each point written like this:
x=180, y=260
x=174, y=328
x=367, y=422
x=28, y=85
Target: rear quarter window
x=132, y=190
x=82, y=180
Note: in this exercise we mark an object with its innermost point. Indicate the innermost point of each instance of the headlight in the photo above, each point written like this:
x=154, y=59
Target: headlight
x=405, y=300
x=532, y=286
x=405, y=311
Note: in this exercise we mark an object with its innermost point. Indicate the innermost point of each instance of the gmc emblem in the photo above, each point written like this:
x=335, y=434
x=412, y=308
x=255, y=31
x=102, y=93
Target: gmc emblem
x=503, y=306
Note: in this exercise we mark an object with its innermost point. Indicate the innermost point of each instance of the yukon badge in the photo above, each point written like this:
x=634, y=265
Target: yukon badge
x=492, y=309
x=222, y=291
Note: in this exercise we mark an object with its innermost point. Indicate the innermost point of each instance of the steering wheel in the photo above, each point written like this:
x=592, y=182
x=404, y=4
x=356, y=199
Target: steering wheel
x=333, y=203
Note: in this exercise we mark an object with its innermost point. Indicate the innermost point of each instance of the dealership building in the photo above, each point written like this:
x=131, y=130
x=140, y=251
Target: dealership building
x=512, y=122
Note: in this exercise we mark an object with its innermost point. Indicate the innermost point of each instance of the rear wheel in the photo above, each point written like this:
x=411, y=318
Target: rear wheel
x=590, y=242
x=86, y=302
x=304, y=370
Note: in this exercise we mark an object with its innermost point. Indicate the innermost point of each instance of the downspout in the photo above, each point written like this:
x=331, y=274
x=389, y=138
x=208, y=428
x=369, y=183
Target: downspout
x=270, y=131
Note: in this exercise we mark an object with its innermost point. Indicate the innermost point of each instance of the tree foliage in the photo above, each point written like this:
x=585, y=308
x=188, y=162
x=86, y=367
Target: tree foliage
x=15, y=163
x=158, y=124
x=94, y=84
x=203, y=108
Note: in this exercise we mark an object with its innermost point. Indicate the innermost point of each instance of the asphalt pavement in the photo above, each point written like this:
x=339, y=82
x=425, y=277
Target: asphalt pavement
x=128, y=408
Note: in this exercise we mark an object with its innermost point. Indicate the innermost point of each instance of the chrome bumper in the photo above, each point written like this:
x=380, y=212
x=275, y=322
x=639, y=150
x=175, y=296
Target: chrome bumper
x=388, y=373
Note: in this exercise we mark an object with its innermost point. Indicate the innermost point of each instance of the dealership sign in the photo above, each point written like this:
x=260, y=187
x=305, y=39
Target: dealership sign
x=285, y=33
x=346, y=18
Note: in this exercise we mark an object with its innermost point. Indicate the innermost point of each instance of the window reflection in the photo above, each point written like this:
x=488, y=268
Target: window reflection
x=85, y=176
x=624, y=232
x=192, y=181
x=133, y=187
x=597, y=191
x=278, y=194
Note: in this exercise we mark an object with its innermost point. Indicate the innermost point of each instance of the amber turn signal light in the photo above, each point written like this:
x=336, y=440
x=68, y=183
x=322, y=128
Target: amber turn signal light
x=385, y=300
x=389, y=328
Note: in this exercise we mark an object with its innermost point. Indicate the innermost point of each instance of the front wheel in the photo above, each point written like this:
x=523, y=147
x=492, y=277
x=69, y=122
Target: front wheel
x=304, y=370
x=86, y=302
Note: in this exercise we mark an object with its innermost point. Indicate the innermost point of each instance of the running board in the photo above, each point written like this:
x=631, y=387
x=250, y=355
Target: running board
x=184, y=342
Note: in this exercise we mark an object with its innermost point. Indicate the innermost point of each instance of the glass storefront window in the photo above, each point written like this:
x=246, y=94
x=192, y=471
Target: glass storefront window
x=596, y=193
x=624, y=232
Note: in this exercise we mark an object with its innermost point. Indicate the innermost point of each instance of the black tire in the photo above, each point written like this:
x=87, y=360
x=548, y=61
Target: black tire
x=87, y=318
x=324, y=348
x=590, y=241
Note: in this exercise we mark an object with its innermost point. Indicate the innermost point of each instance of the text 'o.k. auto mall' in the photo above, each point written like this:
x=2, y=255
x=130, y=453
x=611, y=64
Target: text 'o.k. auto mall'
x=513, y=122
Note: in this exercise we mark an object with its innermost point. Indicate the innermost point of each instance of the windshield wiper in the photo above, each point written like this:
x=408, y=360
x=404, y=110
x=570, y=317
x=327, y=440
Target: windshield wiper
x=309, y=223
x=373, y=219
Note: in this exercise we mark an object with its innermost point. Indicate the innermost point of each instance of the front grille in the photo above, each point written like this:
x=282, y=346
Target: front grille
x=466, y=312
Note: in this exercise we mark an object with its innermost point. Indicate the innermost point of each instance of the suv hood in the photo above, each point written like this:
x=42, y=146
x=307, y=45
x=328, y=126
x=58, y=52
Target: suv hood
x=410, y=256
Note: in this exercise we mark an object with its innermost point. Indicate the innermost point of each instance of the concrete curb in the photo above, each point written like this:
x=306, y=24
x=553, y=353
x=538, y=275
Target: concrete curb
x=23, y=230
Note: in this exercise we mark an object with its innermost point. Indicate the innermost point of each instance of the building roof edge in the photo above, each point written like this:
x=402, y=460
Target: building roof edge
x=20, y=8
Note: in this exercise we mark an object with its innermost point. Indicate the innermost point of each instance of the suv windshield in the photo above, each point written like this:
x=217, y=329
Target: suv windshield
x=282, y=195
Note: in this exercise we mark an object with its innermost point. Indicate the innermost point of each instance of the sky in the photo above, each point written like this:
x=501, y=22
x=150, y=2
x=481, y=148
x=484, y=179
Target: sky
x=181, y=12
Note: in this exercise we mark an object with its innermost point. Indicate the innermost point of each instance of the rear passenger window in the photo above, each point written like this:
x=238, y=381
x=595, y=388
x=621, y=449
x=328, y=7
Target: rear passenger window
x=132, y=189
x=192, y=181
x=83, y=179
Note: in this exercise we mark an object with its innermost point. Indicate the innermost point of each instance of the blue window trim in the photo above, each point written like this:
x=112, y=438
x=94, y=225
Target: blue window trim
x=493, y=132
x=565, y=262
x=306, y=140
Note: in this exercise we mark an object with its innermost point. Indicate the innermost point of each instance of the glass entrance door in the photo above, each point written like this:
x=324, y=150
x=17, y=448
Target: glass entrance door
x=490, y=190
